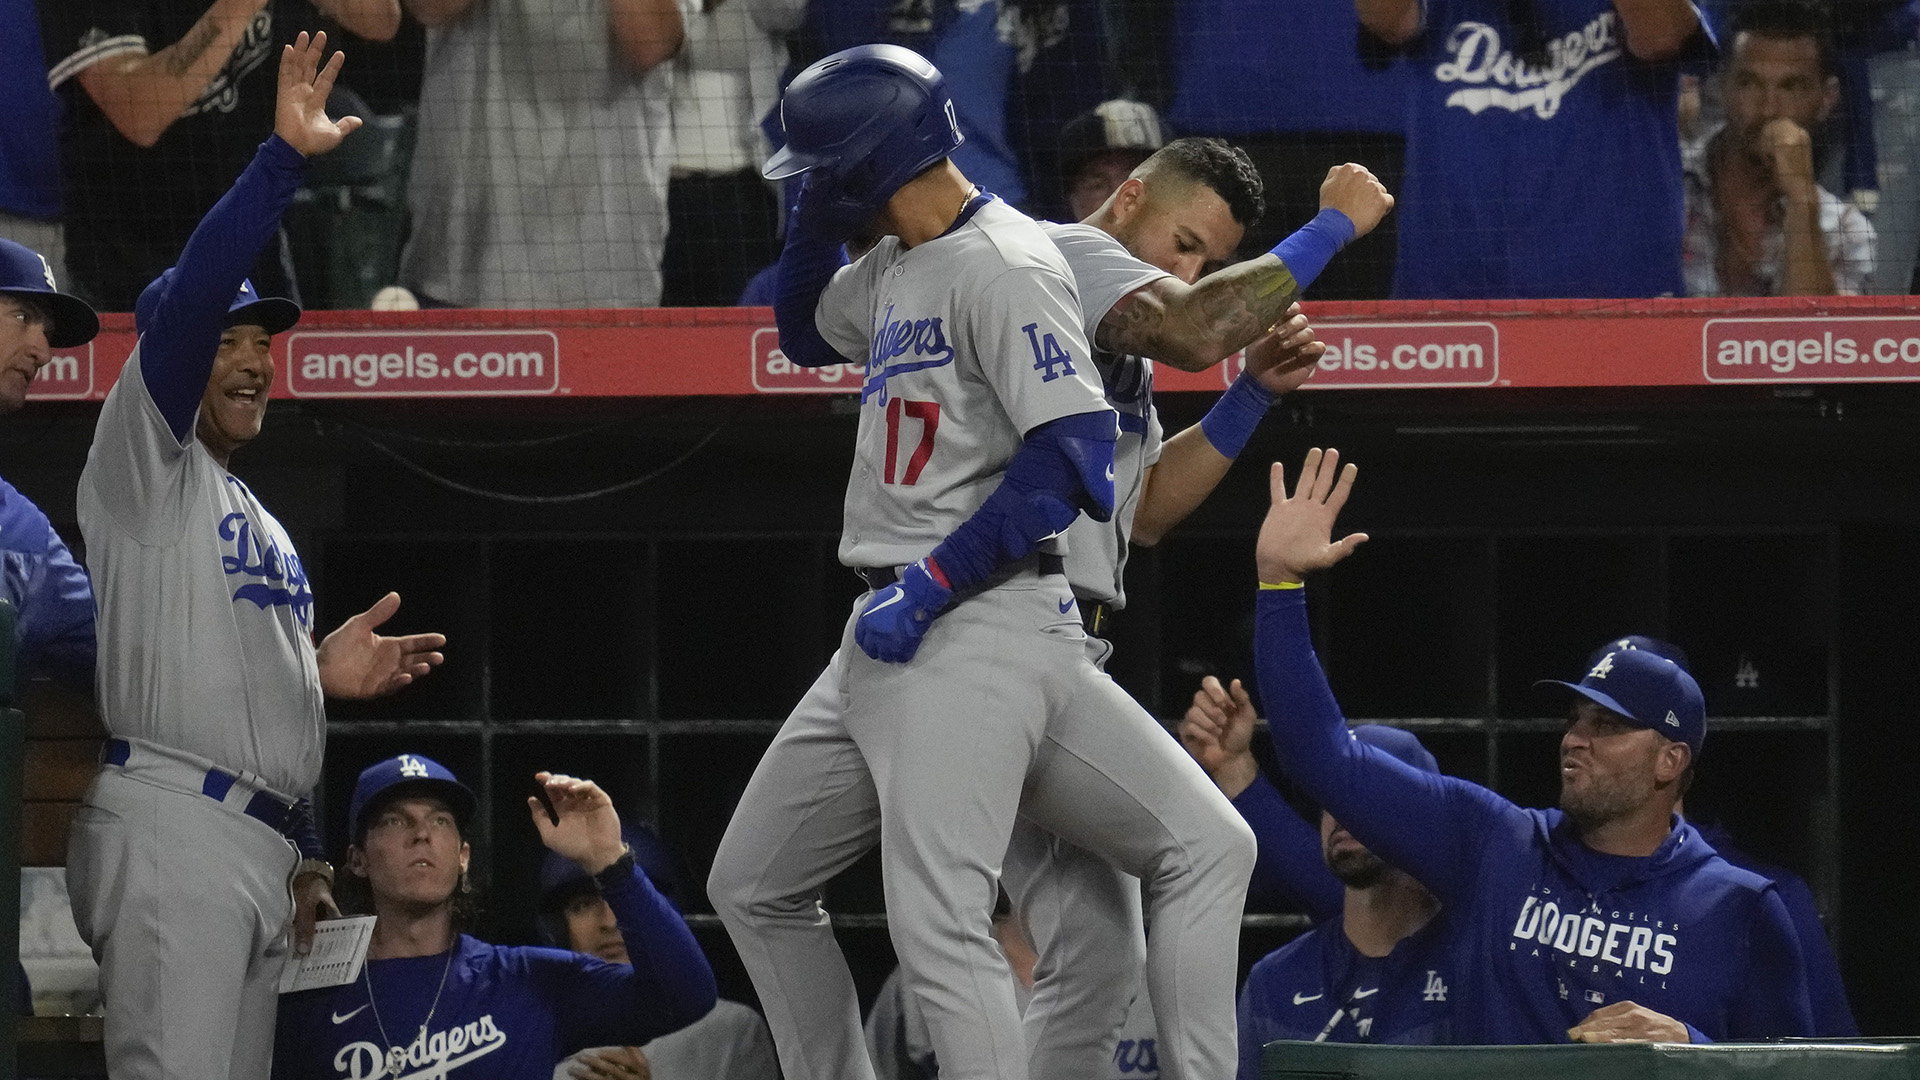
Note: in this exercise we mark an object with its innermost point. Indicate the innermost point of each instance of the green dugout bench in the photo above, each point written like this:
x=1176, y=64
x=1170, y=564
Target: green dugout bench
x=1862, y=1060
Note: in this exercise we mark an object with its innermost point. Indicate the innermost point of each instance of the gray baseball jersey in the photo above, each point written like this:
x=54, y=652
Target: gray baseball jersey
x=205, y=615
x=971, y=340
x=1106, y=271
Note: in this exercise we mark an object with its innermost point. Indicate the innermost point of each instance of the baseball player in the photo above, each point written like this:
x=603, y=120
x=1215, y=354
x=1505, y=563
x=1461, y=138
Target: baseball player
x=1609, y=918
x=1137, y=261
x=49, y=591
x=434, y=1002
x=730, y=1041
x=209, y=682
x=982, y=436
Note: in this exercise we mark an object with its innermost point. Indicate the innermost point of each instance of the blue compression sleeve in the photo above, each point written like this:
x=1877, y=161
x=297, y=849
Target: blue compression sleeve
x=806, y=266
x=1430, y=826
x=1230, y=423
x=1289, y=869
x=668, y=985
x=1308, y=251
x=178, y=343
x=1064, y=466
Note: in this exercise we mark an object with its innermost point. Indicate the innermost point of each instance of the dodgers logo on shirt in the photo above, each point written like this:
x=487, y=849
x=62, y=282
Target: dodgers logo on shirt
x=1635, y=947
x=1518, y=86
x=280, y=580
x=894, y=338
x=428, y=1057
x=1128, y=384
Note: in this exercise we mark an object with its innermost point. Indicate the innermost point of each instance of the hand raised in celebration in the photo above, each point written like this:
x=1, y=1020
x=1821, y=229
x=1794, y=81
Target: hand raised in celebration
x=1297, y=536
x=300, y=111
x=587, y=829
x=356, y=663
x=1357, y=193
x=1285, y=356
x=1218, y=732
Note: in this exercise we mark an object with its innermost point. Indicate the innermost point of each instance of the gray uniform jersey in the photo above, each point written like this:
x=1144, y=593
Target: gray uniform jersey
x=540, y=178
x=1106, y=271
x=971, y=340
x=205, y=615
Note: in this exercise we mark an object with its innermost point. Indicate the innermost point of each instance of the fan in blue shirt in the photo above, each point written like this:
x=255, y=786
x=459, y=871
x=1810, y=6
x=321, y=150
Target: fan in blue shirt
x=1606, y=919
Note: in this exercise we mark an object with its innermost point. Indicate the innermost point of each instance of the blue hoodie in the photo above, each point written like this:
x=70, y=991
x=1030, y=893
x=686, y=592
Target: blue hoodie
x=1546, y=930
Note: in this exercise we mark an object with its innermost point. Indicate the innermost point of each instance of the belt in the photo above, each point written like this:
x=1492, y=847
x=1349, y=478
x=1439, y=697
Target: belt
x=1097, y=616
x=879, y=577
x=180, y=772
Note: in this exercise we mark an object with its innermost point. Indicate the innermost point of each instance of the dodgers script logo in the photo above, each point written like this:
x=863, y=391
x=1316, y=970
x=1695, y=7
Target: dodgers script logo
x=1128, y=383
x=1517, y=85
x=280, y=579
x=428, y=1057
x=894, y=338
x=1631, y=949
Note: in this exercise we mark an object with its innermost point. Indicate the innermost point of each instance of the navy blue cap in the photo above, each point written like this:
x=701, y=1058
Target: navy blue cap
x=1647, y=690
x=1404, y=745
x=271, y=313
x=561, y=877
x=418, y=775
x=25, y=272
x=1644, y=644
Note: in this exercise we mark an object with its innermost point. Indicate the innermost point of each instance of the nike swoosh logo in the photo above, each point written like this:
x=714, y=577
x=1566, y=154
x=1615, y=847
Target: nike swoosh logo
x=898, y=595
x=1302, y=999
x=1358, y=994
x=1066, y=605
x=1109, y=472
x=338, y=1019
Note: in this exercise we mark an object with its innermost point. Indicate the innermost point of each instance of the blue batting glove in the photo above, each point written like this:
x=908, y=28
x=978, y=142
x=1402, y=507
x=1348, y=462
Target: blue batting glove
x=894, y=621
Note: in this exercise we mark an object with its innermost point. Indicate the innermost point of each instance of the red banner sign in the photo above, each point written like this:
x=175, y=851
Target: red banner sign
x=67, y=376
x=773, y=373
x=422, y=363
x=1797, y=350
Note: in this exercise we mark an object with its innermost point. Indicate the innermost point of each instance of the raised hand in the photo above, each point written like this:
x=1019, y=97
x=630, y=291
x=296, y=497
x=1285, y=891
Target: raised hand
x=1297, y=536
x=356, y=663
x=1789, y=150
x=1357, y=193
x=1284, y=357
x=588, y=827
x=300, y=111
x=1218, y=732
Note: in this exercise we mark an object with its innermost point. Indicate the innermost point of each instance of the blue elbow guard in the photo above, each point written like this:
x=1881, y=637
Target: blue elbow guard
x=1308, y=251
x=1064, y=467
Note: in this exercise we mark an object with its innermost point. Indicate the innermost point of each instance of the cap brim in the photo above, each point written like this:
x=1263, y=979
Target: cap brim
x=786, y=162
x=74, y=320
x=1595, y=696
x=458, y=797
x=273, y=314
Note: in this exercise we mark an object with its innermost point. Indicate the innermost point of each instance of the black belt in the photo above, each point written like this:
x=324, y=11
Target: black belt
x=879, y=577
x=1097, y=616
x=262, y=807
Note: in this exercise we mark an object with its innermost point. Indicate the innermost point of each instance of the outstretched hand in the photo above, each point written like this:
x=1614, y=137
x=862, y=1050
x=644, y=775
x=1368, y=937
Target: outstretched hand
x=587, y=829
x=1297, y=536
x=357, y=663
x=1284, y=357
x=1218, y=732
x=300, y=111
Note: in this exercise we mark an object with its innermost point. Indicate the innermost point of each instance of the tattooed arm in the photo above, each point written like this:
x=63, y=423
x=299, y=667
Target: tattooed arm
x=143, y=94
x=1193, y=327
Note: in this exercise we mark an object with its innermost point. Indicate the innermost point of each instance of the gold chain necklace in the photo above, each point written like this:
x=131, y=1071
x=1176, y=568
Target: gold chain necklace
x=397, y=1055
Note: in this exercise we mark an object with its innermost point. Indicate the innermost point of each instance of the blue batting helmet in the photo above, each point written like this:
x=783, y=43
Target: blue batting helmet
x=872, y=118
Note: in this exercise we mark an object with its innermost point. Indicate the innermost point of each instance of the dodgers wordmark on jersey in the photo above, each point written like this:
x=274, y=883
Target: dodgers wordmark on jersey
x=205, y=614
x=1105, y=272
x=971, y=340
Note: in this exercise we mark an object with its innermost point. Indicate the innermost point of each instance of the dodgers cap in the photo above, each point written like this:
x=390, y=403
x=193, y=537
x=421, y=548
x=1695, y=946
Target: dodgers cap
x=403, y=776
x=274, y=314
x=1644, y=644
x=25, y=272
x=1646, y=690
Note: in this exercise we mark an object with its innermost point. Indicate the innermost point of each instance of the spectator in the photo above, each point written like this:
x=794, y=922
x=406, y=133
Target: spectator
x=1382, y=967
x=154, y=135
x=540, y=173
x=732, y=1041
x=1100, y=148
x=1609, y=918
x=1758, y=221
x=29, y=140
x=458, y=1003
x=723, y=219
x=1543, y=154
x=51, y=596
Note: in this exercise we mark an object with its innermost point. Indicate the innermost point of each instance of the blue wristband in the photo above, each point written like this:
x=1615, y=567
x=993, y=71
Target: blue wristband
x=1308, y=251
x=1230, y=423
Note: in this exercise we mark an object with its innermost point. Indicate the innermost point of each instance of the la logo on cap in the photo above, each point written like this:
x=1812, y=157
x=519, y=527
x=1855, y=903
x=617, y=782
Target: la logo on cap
x=1672, y=720
x=411, y=767
x=1600, y=669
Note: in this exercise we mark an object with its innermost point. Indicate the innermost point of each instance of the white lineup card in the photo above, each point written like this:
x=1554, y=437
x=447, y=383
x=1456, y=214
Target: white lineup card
x=339, y=949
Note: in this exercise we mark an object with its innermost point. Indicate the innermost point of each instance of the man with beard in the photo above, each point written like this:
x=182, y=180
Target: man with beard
x=1379, y=973
x=1605, y=920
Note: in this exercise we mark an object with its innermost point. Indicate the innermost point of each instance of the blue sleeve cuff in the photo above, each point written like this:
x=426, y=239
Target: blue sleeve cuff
x=1308, y=251
x=1229, y=425
x=1695, y=1035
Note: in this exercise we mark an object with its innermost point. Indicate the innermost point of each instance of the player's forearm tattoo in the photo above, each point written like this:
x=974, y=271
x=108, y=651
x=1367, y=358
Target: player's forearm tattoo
x=1221, y=313
x=188, y=50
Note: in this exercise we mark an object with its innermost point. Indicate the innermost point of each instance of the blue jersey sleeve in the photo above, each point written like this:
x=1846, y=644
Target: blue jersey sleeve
x=50, y=592
x=1289, y=869
x=180, y=336
x=1430, y=826
x=667, y=986
x=1826, y=993
x=1773, y=999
